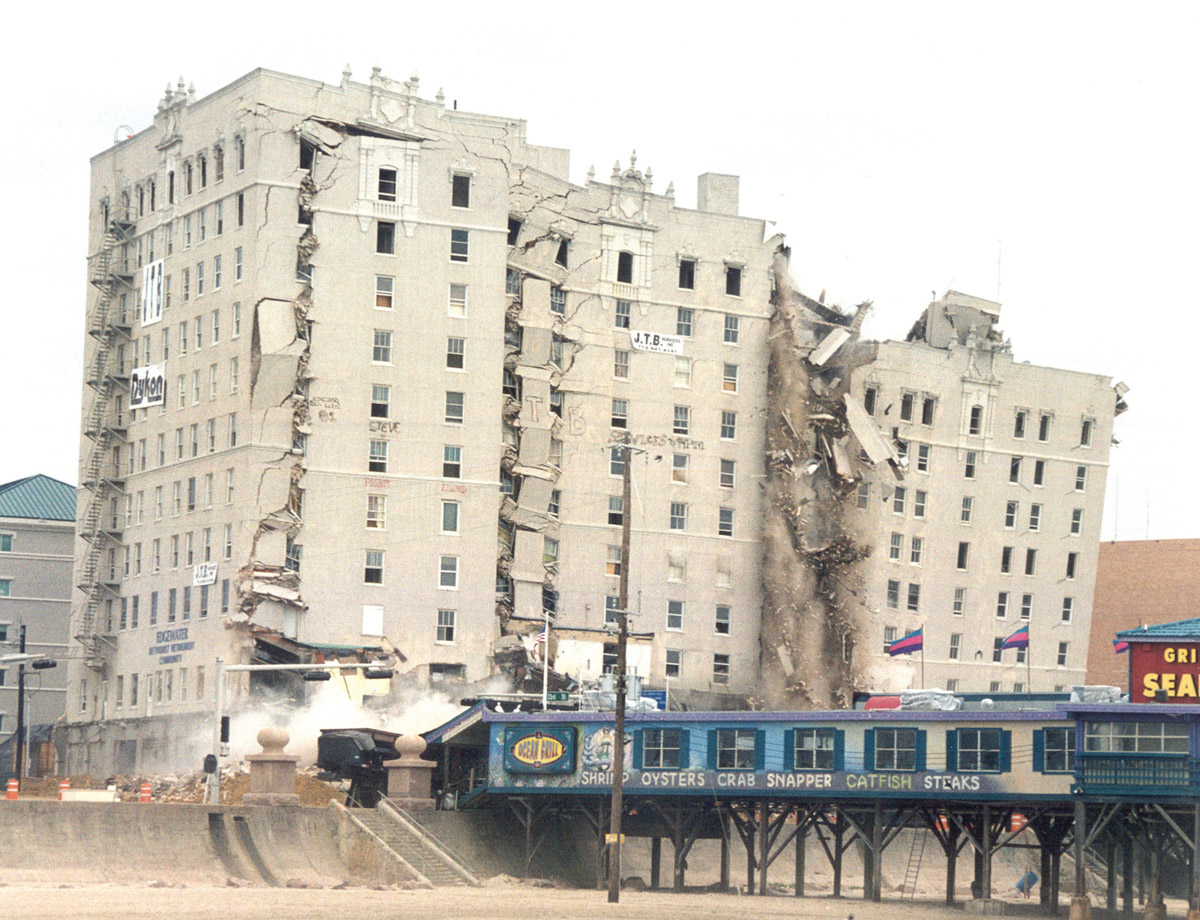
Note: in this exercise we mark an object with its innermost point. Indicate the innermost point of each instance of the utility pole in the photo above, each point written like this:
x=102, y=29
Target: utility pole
x=618, y=764
x=20, y=765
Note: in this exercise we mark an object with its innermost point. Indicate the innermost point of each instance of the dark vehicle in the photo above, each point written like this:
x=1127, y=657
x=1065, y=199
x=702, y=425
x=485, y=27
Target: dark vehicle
x=357, y=754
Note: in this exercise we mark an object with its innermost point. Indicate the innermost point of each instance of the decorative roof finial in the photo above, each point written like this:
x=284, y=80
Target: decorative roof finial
x=191, y=92
x=591, y=174
x=346, y=74
x=633, y=158
x=441, y=96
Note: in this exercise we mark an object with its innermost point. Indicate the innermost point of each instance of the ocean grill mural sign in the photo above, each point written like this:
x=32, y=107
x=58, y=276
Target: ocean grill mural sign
x=545, y=750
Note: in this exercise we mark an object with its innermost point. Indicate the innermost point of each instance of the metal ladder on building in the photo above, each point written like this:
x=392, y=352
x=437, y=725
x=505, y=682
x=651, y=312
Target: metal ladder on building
x=105, y=432
x=915, y=854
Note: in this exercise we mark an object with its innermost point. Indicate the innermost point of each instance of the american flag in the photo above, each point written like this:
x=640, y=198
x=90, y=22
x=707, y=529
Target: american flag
x=540, y=640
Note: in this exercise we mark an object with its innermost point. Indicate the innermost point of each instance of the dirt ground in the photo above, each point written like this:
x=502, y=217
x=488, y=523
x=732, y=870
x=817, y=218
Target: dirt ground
x=513, y=902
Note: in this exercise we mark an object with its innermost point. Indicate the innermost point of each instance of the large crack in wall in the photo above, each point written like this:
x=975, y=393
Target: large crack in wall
x=813, y=546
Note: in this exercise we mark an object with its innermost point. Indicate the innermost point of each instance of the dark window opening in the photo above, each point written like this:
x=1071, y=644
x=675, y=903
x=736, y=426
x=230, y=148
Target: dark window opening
x=976, y=425
x=869, y=396
x=308, y=155
x=561, y=257
x=625, y=268
x=733, y=281
x=514, y=230
x=687, y=274
x=927, y=411
x=387, y=184
x=460, y=195
x=906, y=407
x=385, y=237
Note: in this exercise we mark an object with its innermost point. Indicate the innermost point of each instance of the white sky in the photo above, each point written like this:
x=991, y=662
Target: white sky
x=901, y=148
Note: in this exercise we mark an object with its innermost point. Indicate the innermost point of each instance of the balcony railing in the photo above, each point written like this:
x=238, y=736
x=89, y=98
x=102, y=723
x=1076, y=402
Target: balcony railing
x=1138, y=774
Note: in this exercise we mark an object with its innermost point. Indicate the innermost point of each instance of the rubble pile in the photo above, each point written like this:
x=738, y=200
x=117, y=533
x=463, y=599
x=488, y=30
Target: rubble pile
x=812, y=548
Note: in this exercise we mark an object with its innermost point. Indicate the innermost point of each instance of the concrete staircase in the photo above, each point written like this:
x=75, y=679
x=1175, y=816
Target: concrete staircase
x=416, y=846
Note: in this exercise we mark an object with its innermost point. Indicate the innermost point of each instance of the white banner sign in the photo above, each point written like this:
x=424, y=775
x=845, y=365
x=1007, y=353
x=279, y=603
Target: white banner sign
x=152, y=292
x=147, y=386
x=653, y=341
x=204, y=574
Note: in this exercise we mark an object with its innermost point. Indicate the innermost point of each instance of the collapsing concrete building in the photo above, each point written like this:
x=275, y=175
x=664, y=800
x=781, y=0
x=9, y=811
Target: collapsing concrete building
x=361, y=373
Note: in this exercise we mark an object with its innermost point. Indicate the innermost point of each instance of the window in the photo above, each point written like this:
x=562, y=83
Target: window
x=612, y=609
x=619, y=417
x=729, y=378
x=997, y=652
x=1044, y=427
x=682, y=420
x=683, y=371
x=684, y=318
x=454, y=408
x=814, y=749
x=612, y=564
x=923, y=452
x=216, y=287
x=1010, y=515
x=291, y=561
x=728, y=426
x=1006, y=557
x=969, y=468
x=237, y=320
x=979, y=750
x=558, y=300
x=460, y=192
x=616, y=461
x=1035, y=517
x=964, y=550
x=724, y=522
x=387, y=184
x=1085, y=432
x=458, y=300
x=514, y=230
x=733, y=281
x=1019, y=423
x=975, y=426
x=621, y=364
x=621, y=315
x=968, y=503
x=960, y=601
x=459, y=245
x=919, y=499
x=679, y=468
x=736, y=748
x=241, y=222
x=918, y=544
x=675, y=615
x=1001, y=607
x=896, y=547
x=678, y=516
x=1135, y=737
x=1080, y=478
x=720, y=668
x=456, y=353
x=906, y=407
x=889, y=636
x=1030, y=561
x=893, y=594
x=385, y=237
x=863, y=494
x=928, y=405
x=1054, y=749
x=450, y=513
x=1076, y=522
x=1014, y=469
x=731, y=329
x=376, y=512
x=1026, y=606
x=955, y=645
x=914, y=598
x=1063, y=648
x=727, y=475
x=672, y=664
x=625, y=268
x=385, y=289
x=380, y=396
x=663, y=749
x=451, y=461
x=373, y=570
x=896, y=750
x=1072, y=562
x=560, y=257
x=898, y=499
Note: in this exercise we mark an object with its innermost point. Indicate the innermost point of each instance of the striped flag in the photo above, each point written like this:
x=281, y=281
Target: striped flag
x=1120, y=645
x=913, y=642
x=541, y=640
x=1019, y=639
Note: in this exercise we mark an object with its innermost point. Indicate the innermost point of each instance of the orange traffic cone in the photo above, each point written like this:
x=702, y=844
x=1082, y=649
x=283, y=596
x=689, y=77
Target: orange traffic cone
x=144, y=794
x=13, y=788
x=63, y=787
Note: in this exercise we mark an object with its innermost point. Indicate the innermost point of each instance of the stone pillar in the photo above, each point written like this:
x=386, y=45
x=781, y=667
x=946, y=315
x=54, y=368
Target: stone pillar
x=272, y=773
x=410, y=779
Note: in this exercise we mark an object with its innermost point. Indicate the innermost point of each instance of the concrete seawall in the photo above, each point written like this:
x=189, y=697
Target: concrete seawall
x=48, y=841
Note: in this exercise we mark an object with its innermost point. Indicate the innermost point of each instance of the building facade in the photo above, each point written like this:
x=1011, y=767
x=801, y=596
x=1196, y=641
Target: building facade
x=361, y=373
x=37, y=528
x=994, y=523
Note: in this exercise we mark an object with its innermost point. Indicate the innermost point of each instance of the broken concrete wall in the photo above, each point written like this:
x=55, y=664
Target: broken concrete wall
x=812, y=549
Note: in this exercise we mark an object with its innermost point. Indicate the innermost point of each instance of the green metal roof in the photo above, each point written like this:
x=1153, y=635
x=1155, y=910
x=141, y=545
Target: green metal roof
x=1180, y=629
x=39, y=498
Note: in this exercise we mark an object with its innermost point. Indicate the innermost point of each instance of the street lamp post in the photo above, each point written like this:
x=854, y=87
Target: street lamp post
x=38, y=663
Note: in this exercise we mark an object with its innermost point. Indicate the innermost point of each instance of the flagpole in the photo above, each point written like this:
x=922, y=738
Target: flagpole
x=546, y=662
x=1029, y=672
x=923, y=686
